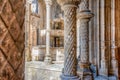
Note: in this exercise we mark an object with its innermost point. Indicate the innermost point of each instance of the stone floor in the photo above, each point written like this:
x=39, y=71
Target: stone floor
x=40, y=71
x=36, y=70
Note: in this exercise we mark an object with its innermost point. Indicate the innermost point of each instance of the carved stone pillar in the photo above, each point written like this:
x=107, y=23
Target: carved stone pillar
x=84, y=16
x=104, y=62
x=70, y=63
x=114, y=62
x=48, y=58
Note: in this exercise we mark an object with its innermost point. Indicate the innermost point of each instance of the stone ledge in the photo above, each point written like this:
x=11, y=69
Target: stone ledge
x=42, y=65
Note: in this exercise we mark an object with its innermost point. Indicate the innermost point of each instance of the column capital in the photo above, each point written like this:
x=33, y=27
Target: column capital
x=83, y=11
x=48, y=2
x=68, y=2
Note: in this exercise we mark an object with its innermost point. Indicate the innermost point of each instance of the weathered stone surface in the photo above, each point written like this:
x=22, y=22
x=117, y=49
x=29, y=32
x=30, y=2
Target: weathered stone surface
x=3, y=61
x=3, y=30
x=19, y=14
x=6, y=44
x=7, y=14
x=2, y=3
x=14, y=29
x=11, y=40
x=7, y=72
x=17, y=4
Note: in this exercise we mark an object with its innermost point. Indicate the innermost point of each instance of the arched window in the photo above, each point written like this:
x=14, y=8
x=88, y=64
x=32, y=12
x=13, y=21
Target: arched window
x=34, y=6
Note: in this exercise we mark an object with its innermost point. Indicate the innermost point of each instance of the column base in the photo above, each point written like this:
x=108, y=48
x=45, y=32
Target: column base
x=65, y=77
x=28, y=55
x=85, y=72
x=104, y=72
x=104, y=68
x=114, y=70
x=86, y=75
x=48, y=60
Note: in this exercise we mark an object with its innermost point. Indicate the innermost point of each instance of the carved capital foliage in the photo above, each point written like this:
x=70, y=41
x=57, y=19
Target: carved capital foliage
x=84, y=5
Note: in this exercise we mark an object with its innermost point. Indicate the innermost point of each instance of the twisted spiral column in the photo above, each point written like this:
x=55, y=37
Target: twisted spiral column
x=70, y=63
x=84, y=16
x=70, y=41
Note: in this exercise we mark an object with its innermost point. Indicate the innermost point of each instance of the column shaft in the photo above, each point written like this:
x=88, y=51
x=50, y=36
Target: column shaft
x=84, y=16
x=28, y=27
x=114, y=62
x=27, y=30
x=70, y=40
x=48, y=58
x=70, y=47
x=104, y=64
x=34, y=38
x=78, y=40
x=84, y=41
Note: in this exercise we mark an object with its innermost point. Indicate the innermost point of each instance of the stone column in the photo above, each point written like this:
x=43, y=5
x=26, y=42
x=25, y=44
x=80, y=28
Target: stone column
x=34, y=36
x=78, y=40
x=70, y=62
x=84, y=16
x=48, y=58
x=27, y=31
x=114, y=62
x=104, y=63
x=98, y=37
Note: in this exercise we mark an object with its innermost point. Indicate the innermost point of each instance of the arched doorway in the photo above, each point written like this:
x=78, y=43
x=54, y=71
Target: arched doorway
x=36, y=41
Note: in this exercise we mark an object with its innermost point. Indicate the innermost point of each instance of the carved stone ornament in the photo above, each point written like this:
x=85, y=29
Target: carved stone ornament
x=70, y=64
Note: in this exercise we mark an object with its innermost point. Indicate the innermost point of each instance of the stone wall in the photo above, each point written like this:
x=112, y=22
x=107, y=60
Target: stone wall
x=12, y=39
x=104, y=34
x=117, y=24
